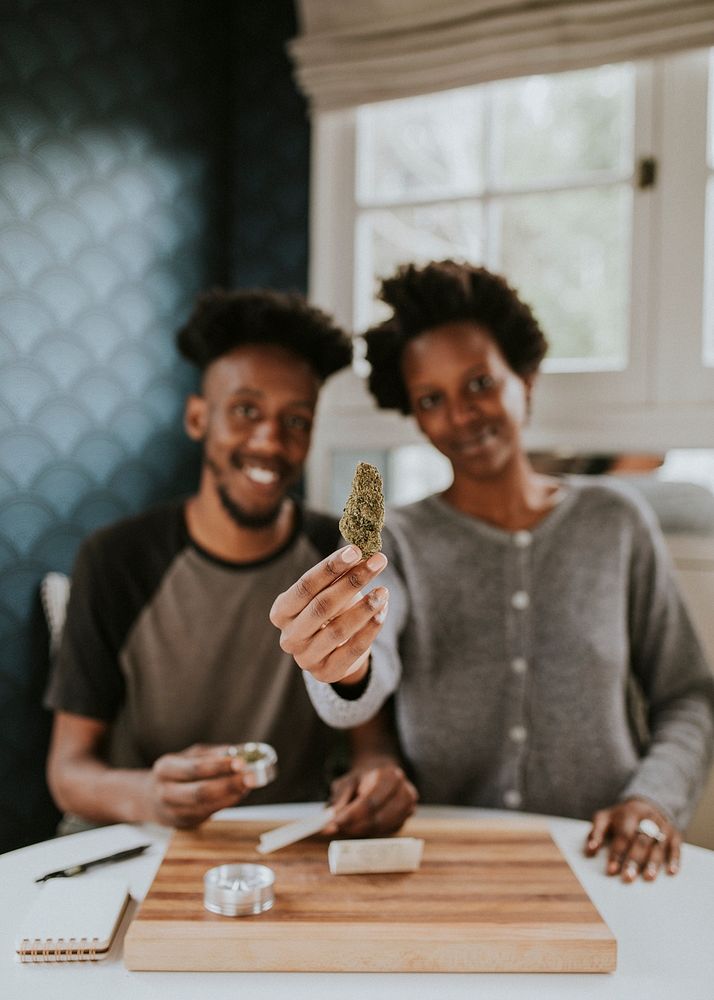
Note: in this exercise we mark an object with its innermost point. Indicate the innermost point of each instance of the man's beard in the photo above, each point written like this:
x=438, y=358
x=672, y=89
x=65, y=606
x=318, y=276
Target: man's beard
x=242, y=517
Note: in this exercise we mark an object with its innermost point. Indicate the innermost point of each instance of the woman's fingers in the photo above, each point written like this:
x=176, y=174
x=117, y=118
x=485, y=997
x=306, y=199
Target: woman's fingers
x=654, y=862
x=323, y=592
x=638, y=855
x=598, y=832
x=325, y=622
x=338, y=631
x=624, y=826
x=673, y=851
x=340, y=662
x=641, y=840
x=291, y=602
x=327, y=605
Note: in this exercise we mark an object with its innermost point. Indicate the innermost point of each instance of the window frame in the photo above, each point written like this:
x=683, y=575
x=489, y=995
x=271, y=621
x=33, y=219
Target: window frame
x=664, y=398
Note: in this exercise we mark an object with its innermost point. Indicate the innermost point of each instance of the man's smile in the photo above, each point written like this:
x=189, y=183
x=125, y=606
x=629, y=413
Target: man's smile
x=260, y=475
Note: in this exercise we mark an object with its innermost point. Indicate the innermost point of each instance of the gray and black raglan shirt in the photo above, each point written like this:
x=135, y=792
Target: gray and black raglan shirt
x=173, y=646
x=509, y=655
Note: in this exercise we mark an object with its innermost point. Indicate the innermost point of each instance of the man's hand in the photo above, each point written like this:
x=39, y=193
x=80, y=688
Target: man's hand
x=632, y=852
x=325, y=622
x=372, y=801
x=186, y=788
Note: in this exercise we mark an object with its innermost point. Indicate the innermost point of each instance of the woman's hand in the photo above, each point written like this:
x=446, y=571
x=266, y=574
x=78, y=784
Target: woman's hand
x=372, y=800
x=633, y=852
x=326, y=623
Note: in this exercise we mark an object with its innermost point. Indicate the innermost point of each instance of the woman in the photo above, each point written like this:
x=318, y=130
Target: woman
x=520, y=605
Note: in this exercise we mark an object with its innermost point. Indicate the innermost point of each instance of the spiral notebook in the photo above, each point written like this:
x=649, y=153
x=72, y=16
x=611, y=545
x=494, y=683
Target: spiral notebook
x=72, y=920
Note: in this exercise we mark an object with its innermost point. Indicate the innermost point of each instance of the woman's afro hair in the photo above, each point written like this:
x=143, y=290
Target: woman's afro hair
x=441, y=292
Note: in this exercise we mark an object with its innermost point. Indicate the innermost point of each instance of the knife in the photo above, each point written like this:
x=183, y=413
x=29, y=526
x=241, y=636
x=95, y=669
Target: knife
x=131, y=852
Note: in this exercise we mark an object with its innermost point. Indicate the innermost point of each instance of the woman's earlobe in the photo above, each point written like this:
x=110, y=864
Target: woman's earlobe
x=529, y=382
x=529, y=401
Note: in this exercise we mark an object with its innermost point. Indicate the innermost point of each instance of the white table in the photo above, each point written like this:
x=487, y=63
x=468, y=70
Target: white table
x=665, y=934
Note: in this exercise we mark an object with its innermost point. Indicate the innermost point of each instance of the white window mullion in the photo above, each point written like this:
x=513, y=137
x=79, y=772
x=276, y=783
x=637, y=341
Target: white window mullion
x=331, y=282
x=682, y=379
x=708, y=346
x=333, y=214
x=645, y=234
x=571, y=404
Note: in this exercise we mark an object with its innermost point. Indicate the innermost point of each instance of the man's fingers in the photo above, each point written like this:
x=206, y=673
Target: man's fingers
x=390, y=799
x=342, y=792
x=188, y=768
x=364, y=817
x=209, y=795
x=370, y=792
x=198, y=749
x=291, y=602
x=383, y=801
x=397, y=810
x=187, y=815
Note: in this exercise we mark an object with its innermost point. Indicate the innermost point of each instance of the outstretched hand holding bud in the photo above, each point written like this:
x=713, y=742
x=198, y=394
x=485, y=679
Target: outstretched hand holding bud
x=326, y=623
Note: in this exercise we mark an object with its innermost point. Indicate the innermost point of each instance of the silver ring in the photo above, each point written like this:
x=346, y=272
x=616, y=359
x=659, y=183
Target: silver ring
x=651, y=829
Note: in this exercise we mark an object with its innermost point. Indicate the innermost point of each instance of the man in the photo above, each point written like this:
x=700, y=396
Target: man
x=168, y=657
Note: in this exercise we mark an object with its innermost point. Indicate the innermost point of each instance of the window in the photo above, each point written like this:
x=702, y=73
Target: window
x=536, y=183
x=548, y=180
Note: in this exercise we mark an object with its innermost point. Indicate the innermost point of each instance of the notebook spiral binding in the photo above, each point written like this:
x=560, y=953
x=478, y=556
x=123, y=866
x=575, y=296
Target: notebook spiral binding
x=38, y=950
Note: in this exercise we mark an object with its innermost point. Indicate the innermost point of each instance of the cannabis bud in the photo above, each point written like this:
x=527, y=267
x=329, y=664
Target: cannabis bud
x=363, y=516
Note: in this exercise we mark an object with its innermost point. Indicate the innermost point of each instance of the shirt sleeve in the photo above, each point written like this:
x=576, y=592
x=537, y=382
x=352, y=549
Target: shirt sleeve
x=385, y=666
x=86, y=678
x=676, y=680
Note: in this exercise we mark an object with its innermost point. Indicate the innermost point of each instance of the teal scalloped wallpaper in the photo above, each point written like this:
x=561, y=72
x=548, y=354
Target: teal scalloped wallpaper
x=123, y=188
x=269, y=182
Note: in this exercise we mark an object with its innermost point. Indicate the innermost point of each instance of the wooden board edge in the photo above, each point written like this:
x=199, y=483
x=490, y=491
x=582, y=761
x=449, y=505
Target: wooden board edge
x=220, y=949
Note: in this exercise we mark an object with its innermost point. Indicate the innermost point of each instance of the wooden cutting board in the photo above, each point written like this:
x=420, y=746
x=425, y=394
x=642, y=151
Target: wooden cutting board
x=489, y=897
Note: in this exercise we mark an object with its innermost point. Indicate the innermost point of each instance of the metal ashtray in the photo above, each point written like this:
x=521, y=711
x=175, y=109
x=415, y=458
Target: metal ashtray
x=260, y=759
x=238, y=890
